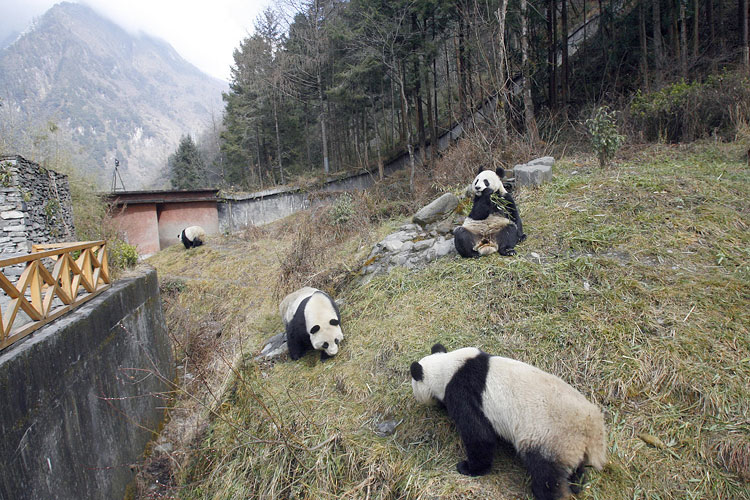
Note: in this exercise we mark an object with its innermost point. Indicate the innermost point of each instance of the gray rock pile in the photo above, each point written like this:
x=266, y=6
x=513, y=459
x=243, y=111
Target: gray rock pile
x=415, y=245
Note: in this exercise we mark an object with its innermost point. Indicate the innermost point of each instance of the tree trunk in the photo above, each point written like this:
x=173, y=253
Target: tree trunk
x=551, y=55
x=323, y=134
x=528, y=104
x=430, y=120
x=644, y=46
x=409, y=147
x=745, y=41
x=696, y=41
x=564, y=40
x=461, y=70
x=658, y=49
x=278, y=139
x=683, y=40
x=501, y=94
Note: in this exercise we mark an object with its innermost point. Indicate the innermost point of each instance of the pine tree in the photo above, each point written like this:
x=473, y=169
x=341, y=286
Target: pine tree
x=186, y=165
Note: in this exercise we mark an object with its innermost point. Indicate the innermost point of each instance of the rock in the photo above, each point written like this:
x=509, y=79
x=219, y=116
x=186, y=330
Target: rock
x=275, y=347
x=532, y=175
x=393, y=245
x=12, y=214
x=423, y=245
x=443, y=247
x=386, y=428
x=438, y=209
x=544, y=160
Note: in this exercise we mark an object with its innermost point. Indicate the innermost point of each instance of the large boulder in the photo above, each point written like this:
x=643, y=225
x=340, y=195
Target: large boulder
x=437, y=210
x=534, y=173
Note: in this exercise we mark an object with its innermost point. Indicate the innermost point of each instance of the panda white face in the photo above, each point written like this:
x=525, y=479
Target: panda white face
x=487, y=179
x=323, y=324
x=430, y=376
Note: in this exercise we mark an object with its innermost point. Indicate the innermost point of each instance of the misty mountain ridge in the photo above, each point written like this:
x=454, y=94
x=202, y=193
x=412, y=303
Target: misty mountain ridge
x=113, y=94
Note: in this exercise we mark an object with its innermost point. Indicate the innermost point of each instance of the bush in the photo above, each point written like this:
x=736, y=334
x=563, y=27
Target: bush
x=121, y=254
x=604, y=136
x=342, y=210
x=688, y=111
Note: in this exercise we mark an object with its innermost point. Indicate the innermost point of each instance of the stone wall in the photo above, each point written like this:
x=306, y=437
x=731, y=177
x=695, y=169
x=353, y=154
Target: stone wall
x=35, y=206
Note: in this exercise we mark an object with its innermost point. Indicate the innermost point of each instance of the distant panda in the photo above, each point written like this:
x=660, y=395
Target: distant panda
x=312, y=321
x=494, y=225
x=192, y=236
x=552, y=426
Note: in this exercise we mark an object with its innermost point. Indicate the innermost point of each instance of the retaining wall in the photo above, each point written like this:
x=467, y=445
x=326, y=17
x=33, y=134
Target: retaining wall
x=81, y=396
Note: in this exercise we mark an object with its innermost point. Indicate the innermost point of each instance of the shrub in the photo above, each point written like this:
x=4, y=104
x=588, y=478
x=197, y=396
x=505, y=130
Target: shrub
x=688, y=111
x=604, y=136
x=342, y=210
x=121, y=254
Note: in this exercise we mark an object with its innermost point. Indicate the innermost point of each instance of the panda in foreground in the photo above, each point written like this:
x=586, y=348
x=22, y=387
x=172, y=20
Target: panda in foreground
x=494, y=224
x=555, y=430
x=192, y=236
x=312, y=321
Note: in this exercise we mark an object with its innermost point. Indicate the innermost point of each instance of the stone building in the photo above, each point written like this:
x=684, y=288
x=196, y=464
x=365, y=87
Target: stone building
x=35, y=206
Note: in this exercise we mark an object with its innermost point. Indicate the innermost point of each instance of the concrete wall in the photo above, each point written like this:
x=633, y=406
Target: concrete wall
x=175, y=217
x=80, y=396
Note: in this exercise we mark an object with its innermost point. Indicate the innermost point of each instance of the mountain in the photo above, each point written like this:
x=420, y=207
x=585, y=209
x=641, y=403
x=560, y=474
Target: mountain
x=113, y=94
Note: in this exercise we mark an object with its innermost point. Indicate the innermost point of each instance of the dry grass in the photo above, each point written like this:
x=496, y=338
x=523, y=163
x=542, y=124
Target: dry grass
x=637, y=294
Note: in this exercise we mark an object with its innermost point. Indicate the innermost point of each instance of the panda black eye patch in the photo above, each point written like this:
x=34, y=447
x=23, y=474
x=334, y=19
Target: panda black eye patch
x=314, y=329
x=337, y=341
x=486, y=182
x=334, y=322
x=325, y=345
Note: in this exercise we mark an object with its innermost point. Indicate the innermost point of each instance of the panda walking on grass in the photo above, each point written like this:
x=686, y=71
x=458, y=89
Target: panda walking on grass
x=192, y=236
x=553, y=427
x=312, y=321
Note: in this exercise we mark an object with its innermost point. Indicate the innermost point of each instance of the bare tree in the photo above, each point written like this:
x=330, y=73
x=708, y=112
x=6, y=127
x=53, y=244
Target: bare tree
x=528, y=104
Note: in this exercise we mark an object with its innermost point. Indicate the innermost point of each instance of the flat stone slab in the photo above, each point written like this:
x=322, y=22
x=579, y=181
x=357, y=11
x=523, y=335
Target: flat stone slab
x=437, y=210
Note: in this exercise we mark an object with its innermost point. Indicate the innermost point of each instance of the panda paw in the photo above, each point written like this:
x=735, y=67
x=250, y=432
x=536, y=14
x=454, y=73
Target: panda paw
x=508, y=252
x=464, y=468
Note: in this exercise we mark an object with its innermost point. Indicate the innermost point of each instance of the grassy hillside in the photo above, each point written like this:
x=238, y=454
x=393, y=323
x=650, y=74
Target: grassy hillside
x=633, y=286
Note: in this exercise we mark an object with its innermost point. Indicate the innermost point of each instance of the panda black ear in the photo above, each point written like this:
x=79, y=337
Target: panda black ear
x=416, y=371
x=438, y=348
x=500, y=171
x=480, y=170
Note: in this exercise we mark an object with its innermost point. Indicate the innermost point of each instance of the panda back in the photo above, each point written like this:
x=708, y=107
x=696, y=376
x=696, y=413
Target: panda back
x=288, y=307
x=536, y=410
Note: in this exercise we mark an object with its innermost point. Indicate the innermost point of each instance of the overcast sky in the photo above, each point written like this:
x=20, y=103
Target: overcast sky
x=205, y=32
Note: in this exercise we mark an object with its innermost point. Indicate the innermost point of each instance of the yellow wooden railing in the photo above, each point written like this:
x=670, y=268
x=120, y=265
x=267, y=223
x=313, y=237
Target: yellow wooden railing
x=72, y=280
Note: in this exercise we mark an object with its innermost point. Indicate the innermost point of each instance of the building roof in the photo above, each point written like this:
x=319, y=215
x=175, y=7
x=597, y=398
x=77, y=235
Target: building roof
x=183, y=196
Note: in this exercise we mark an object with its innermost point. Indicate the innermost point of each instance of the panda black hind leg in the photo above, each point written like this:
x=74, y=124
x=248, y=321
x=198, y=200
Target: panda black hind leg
x=549, y=481
x=464, y=240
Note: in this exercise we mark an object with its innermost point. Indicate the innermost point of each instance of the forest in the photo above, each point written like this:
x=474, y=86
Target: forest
x=327, y=86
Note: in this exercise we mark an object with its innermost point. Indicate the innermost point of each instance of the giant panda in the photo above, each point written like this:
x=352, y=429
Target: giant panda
x=312, y=321
x=192, y=236
x=493, y=225
x=552, y=426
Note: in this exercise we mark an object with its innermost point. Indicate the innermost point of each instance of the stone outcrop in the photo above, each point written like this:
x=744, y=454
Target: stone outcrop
x=534, y=173
x=437, y=210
